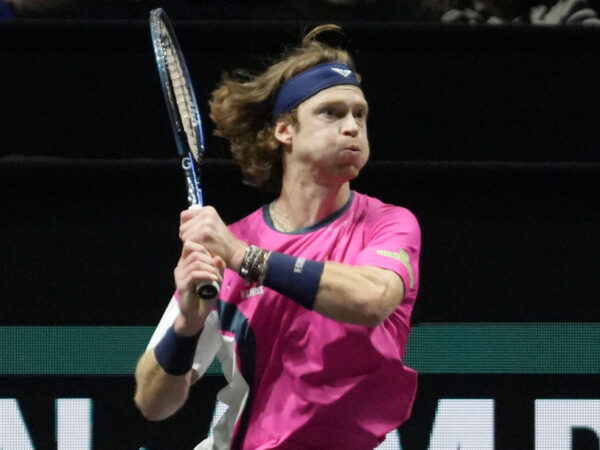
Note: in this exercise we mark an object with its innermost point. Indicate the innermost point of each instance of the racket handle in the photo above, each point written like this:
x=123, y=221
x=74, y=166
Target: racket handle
x=208, y=290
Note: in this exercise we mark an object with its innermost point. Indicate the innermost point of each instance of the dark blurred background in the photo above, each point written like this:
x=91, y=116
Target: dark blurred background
x=488, y=133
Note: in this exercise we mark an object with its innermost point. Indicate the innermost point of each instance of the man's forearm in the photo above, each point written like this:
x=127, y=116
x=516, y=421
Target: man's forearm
x=360, y=295
x=158, y=394
x=363, y=295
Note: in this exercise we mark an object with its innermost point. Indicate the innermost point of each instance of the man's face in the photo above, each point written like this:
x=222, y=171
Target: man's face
x=330, y=138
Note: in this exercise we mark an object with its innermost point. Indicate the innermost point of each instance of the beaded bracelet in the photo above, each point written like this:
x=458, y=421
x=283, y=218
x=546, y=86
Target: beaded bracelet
x=247, y=267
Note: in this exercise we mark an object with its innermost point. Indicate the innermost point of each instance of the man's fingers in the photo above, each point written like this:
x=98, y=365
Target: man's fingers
x=190, y=247
x=219, y=263
x=196, y=211
x=207, y=267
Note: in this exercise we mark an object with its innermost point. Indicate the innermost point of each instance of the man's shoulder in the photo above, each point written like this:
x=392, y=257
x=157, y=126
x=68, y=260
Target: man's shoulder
x=376, y=210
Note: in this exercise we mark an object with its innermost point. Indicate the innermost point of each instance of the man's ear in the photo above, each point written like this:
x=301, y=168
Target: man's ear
x=283, y=132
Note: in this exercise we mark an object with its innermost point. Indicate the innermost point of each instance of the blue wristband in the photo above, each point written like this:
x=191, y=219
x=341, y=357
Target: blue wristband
x=175, y=353
x=296, y=278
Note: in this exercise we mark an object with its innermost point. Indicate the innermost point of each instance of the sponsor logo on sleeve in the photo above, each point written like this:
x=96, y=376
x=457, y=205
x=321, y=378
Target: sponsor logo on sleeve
x=401, y=256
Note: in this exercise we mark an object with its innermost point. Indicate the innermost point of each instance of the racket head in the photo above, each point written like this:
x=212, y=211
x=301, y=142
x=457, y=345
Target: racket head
x=177, y=87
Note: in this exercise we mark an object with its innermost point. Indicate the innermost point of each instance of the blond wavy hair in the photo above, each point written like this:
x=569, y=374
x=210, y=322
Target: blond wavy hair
x=242, y=108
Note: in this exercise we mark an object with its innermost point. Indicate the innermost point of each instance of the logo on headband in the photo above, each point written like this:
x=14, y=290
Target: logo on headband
x=343, y=72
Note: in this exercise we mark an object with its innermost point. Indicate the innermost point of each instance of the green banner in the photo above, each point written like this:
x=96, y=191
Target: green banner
x=531, y=348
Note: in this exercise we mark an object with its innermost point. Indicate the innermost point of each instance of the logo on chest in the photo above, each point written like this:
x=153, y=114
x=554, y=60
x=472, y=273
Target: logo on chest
x=251, y=292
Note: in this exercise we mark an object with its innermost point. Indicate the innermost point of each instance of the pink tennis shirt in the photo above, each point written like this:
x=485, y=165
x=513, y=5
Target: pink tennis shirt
x=313, y=382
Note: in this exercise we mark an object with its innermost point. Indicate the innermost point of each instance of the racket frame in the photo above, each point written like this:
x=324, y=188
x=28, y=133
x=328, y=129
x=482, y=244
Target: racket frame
x=206, y=290
x=190, y=160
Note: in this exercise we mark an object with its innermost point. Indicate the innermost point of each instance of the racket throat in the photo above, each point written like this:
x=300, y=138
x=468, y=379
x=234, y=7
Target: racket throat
x=192, y=180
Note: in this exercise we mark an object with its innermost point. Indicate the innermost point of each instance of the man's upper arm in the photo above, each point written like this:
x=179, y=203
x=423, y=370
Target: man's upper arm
x=394, y=245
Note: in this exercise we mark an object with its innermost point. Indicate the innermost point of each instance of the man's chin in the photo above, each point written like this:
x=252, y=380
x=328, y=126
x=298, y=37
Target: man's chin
x=349, y=172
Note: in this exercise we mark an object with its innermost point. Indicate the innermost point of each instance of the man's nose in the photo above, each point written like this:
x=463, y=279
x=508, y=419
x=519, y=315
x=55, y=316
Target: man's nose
x=350, y=126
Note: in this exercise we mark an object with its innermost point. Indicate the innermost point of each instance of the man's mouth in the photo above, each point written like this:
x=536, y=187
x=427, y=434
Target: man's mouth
x=352, y=148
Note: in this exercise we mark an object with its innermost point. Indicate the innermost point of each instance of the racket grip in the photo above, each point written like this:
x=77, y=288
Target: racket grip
x=208, y=290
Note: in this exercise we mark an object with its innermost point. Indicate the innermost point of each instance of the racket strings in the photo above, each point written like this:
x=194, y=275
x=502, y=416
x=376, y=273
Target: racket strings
x=183, y=97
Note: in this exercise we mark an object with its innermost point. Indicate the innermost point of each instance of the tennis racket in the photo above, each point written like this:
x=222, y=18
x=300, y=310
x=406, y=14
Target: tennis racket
x=185, y=116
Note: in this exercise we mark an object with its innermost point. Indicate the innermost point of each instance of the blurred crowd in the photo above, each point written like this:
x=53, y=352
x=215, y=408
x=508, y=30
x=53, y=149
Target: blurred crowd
x=537, y=12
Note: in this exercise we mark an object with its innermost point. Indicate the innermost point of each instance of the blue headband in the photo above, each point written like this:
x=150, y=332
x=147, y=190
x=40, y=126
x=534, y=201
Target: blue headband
x=311, y=81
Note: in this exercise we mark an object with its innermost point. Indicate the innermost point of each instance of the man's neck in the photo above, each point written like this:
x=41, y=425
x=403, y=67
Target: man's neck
x=300, y=206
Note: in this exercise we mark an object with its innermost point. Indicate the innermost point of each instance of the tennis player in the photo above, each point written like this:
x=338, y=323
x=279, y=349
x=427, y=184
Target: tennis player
x=317, y=287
